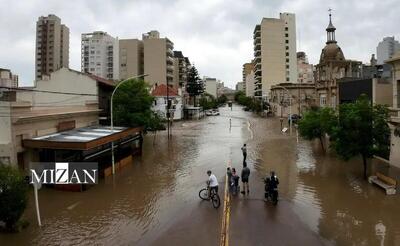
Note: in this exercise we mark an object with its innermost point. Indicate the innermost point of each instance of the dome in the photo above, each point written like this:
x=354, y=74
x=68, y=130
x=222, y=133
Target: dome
x=331, y=52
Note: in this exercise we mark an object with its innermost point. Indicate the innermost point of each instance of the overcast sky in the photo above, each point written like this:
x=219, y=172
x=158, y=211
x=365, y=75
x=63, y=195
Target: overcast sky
x=216, y=35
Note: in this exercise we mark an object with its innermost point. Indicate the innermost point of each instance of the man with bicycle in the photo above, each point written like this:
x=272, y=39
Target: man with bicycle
x=212, y=182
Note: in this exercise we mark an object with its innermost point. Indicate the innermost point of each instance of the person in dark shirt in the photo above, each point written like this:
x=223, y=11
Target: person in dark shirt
x=229, y=176
x=244, y=152
x=245, y=178
x=235, y=182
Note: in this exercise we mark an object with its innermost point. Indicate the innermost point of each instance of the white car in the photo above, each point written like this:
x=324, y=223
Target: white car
x=212, y=112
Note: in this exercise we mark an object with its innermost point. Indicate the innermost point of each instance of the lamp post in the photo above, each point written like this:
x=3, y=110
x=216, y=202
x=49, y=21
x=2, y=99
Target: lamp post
x=111, y=111
x=290, y=106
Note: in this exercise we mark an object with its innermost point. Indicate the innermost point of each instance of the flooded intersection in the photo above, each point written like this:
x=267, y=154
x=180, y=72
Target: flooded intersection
x=154, y=201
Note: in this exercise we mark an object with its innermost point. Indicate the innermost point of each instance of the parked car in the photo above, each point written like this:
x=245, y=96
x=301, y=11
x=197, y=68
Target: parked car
x=212, y=112
x=295, y=118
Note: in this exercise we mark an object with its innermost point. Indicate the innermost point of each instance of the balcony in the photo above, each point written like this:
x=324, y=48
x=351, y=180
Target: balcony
x=257, y=40
x=257, y=29
x=170, y=69
x=257, y=53
x=257, y=47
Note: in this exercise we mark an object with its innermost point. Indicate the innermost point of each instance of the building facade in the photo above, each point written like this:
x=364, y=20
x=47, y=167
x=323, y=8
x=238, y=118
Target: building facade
x=386, y=49
x=35, y=113
x=240, y=86
x=292, y=98
x=100, y=55
x=181, y=69
x=52, y=45
x=161, y=98
x=250, y=81
x=130, y=58
x=274, y=52
x=395, y=119
x=158, y=58
x=332, y=66
x=211, y=86
x=304, y=69
x=7, y=79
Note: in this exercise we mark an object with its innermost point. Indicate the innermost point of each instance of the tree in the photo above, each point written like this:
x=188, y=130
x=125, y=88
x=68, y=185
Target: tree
x=13, y=196
x=195, y=85
x=208, y=101
x=222, y=99
x=238, y=95
x=362, y=130
x=132, y=106
x=317, y=123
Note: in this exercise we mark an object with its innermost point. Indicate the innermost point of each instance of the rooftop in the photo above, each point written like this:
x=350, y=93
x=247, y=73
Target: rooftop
x=161, y=91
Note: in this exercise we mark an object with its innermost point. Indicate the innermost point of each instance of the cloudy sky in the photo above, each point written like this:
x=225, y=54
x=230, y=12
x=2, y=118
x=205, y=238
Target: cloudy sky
x=215, y=34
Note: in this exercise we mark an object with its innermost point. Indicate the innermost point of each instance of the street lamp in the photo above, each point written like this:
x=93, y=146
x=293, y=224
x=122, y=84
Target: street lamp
x=111, y=110
x=290, y=106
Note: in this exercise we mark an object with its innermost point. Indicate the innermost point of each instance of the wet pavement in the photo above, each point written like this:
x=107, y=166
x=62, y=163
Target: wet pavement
x=323, y=201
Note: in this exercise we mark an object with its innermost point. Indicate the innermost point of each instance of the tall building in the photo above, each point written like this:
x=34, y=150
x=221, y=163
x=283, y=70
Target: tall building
x=332, y=67
x=158, y=58
x=250, y=80
x=386, y=49
x=181, y=69
x=304, y=69
x=8, y=79
x=100, y=55
x=240, y=86
x=130, y=58
x=211, y=86
x=52, y=45
x=275, y=52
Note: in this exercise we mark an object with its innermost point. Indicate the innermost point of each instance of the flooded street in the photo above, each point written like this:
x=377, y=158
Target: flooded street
x=154, y=201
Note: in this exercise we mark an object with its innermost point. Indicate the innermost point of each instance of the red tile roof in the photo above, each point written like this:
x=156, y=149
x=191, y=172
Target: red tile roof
x=161, y=91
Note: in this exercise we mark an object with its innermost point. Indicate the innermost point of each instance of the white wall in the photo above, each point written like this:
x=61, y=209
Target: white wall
x=160, y=106
x=250, y=80
x=211, y=86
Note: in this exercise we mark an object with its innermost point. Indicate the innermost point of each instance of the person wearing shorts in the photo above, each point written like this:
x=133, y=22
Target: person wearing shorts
x=245, y=179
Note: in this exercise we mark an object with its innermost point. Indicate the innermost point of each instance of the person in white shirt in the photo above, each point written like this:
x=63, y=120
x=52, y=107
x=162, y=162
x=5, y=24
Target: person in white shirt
x=212, y=182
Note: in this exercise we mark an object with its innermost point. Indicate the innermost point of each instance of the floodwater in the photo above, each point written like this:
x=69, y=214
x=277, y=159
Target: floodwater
x=323, y=201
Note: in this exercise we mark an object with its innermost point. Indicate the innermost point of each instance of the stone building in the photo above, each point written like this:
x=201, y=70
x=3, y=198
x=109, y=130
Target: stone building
x=332, y=66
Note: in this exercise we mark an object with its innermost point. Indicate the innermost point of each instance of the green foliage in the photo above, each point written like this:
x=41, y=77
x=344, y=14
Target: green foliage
x=316, y=123
x=362, y=130
x=208, y=101
x=13, y=196
x=132, y=106
x=249, y=102
x=238, y=95
x=195, y=85
x=222, y=99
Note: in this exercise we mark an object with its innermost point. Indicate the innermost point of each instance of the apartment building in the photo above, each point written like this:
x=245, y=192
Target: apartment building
x=8, y=79
x=386, y=49
x=181, y=69
x=211, y=86
x=100, y=55
x=130, y=58
x=158, y=58
x=52, y=45
x=275, y=52
x=250, y=81
x=305, y=70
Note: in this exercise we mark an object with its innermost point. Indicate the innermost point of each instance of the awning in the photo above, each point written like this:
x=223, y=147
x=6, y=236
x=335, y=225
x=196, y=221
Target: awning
x=82, y=138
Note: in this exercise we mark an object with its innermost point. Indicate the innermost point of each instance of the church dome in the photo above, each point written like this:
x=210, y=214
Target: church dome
x=332, y=51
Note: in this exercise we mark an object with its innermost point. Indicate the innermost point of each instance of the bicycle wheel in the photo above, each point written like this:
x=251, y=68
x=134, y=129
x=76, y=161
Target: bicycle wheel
x=215, y=200
x=203, y=194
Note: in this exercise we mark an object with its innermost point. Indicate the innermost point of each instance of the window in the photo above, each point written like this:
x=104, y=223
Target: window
x=287, y=47
x=287, y=53
x=287, y=35
x=322, y=100
x=287, y=59
x=398, y=93
x=287, y=79
x=92, y=69
x=286, y=29
x=92, y=52
x=287, y=66
x=287, y=41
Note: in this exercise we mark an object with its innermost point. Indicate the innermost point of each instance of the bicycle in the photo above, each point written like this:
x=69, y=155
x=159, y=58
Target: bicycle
x=212, y=196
